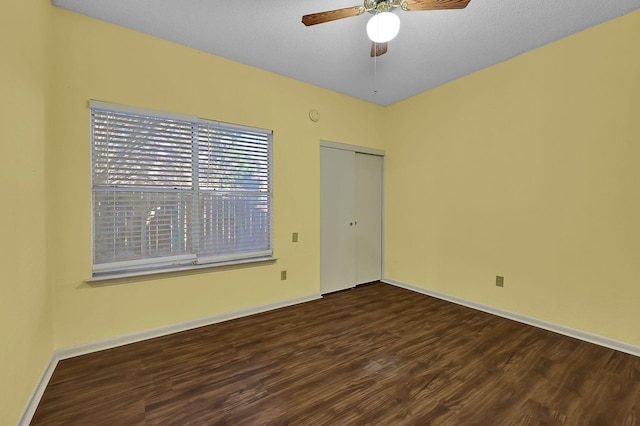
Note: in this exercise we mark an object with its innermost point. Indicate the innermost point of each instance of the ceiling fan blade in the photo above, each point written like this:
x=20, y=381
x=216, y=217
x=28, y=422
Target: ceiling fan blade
x=378, y=49
x=332, y=15
x=435, y=4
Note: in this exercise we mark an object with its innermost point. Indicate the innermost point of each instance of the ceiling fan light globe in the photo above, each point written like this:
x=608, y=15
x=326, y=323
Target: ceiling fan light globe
x=383, y=27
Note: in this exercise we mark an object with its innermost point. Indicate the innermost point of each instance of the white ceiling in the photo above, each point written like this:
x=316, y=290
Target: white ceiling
x=433, y=47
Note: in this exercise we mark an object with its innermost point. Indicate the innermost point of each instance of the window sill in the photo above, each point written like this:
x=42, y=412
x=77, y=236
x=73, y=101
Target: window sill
x=117, y=278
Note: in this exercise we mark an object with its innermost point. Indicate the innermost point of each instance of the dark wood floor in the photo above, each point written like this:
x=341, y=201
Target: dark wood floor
x=375, y=355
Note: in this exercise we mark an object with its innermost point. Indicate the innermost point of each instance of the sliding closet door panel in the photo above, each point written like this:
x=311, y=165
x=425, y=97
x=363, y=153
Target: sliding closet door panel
x=337, y=216
x=368, y=197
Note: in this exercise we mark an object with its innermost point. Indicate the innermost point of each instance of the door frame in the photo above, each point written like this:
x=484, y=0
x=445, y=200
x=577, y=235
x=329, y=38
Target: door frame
x=362, y=150
x=354, y=148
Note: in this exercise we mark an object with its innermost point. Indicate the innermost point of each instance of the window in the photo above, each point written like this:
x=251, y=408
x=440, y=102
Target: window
x=172, y=190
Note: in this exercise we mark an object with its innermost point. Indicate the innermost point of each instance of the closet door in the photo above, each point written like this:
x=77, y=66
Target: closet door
x=368, y=205
x=350, y=218
x=337, y=213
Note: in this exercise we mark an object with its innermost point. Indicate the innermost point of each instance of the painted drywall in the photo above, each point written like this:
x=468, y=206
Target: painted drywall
x=26, y=336
x=97, y=60
x=528, y=169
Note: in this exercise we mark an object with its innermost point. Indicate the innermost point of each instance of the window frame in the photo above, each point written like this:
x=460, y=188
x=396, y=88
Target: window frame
x=191, y=260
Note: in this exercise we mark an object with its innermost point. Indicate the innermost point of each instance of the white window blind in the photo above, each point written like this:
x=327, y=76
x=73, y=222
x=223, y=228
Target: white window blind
x=173, y=190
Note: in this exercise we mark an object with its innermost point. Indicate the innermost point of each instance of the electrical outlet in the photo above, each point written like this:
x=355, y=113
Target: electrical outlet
x=283, y=275
x=499, y=281
x=294, y=237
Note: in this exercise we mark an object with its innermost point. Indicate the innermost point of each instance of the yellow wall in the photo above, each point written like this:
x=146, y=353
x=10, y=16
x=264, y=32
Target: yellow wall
x=528, y=169
x=96, y=60
x=26, y=341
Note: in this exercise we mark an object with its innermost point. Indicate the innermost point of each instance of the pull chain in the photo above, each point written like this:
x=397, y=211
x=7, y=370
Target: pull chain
x=375, y=68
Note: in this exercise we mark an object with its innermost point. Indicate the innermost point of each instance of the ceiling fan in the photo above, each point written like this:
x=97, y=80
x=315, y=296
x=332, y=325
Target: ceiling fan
x=384, y=25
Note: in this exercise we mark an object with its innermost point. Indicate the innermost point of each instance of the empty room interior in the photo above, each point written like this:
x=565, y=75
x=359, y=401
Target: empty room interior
x=523, y=171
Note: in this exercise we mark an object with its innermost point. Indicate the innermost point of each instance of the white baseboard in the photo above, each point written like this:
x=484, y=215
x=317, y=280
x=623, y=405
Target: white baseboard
x=176, y=328
x=60, y=354
x=556, y=328
x=34, y=400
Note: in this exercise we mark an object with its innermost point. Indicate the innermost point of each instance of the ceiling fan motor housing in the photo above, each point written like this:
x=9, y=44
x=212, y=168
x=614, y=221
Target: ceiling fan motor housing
x=379, y=6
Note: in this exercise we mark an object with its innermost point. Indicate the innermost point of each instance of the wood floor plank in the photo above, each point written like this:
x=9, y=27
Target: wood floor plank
x=374, y=355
